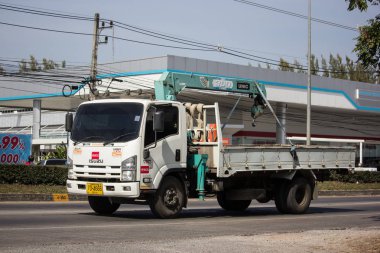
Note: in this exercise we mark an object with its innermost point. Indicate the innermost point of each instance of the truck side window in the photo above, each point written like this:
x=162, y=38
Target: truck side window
x=170, y=124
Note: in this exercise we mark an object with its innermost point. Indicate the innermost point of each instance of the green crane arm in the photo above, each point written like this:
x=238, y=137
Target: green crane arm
x=171, y=84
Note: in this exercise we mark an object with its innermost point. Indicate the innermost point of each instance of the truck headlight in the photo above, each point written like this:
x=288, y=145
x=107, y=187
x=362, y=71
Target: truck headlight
x=71, y=174
x=128, y=169
x=69, y=163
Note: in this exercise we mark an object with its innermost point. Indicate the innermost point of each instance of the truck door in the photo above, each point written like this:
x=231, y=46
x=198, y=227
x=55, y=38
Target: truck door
x=169, y=152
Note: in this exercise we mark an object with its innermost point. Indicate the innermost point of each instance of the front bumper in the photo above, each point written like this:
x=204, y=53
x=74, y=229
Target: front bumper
x=128, y=190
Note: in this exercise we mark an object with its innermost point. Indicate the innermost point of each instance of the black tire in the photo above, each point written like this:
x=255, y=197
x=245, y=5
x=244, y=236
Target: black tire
x=102, y=205
x=294, y=196
x=232, y=205
x=298, y=196
x=169, y=199
x=280, y=196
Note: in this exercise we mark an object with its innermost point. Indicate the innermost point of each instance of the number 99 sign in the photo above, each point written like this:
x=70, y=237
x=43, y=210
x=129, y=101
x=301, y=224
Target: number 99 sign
x=15, y=148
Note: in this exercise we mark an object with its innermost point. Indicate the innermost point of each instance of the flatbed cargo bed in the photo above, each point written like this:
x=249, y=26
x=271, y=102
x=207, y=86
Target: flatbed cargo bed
x=283, y=157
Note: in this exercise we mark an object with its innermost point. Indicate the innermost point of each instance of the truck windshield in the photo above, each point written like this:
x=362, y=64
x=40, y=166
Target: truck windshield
x=112, y=122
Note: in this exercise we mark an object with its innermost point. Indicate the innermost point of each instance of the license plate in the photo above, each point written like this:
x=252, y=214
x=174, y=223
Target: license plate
x=94, y=188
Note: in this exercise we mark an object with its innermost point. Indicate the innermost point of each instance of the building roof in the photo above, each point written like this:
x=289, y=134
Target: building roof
x=283, y=87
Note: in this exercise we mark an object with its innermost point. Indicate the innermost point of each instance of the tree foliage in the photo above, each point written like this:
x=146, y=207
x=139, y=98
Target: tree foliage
x=336, y=67
x=33, y=65
x=367, y=46
x=59, y=153
x=361, y=5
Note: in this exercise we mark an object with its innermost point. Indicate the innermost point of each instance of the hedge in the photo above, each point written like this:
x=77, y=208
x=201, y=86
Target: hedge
x=33, y=175
x=357, y=177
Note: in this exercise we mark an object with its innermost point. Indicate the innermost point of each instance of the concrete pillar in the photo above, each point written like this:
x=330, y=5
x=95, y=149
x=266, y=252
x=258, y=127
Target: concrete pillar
x=36, y=130
x=280, y=132
x=36, y=119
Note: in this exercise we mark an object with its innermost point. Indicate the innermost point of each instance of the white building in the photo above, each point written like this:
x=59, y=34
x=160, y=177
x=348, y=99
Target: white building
x=343, y=112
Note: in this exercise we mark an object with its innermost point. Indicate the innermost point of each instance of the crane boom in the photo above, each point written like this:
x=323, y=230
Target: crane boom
x=171, y=84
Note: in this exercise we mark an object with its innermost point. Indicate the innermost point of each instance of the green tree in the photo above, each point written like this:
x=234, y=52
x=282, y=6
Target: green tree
x=298, y=67
x=362, y=5
x=285, y=66
x=325, y=68
x=22, y=66
x=2, y=71
x=351, y=69
x=33, y=64
x=367, y=46
x=48, y=64
x=59, y=153
x=314, y=67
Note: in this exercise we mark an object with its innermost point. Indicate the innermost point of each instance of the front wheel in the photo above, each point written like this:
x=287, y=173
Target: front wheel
x=169, y=199
x=232, y=205
x=102, y=205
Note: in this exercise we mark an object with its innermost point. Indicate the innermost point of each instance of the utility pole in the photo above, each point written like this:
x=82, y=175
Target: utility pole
x=94, y=60
x=308, y=114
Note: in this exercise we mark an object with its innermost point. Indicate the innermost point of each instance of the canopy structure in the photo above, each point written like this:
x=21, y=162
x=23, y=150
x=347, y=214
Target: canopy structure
x=341, y=109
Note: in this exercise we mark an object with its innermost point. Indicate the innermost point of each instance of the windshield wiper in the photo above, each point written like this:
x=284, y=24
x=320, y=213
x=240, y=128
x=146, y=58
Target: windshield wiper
x=117, y=138
x=86, y=138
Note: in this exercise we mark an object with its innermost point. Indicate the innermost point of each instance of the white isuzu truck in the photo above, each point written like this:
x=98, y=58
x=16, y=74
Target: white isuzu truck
x=162, y=152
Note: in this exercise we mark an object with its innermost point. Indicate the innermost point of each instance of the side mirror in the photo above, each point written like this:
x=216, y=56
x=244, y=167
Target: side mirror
x=158, y=121
x=69, y=122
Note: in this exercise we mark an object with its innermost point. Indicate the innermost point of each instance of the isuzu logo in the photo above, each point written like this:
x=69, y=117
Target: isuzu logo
x=95, y=155
x=95, y=158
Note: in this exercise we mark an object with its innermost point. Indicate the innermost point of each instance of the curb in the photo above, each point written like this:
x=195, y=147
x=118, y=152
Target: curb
x=57, y=197
x=369, y=192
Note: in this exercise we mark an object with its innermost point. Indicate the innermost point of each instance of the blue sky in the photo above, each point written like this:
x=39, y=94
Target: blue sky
x=223, y=22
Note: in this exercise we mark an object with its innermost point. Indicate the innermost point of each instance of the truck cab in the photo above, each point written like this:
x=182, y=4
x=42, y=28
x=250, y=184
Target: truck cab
x=115, y=152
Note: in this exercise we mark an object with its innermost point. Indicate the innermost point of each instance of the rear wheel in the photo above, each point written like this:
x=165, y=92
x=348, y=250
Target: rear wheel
x=169, y=199
x=102, y=205
x=298, y=196
x=232, y=205
x=293, y=197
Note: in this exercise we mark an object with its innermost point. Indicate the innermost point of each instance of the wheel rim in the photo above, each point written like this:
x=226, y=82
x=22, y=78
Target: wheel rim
x=171, y=198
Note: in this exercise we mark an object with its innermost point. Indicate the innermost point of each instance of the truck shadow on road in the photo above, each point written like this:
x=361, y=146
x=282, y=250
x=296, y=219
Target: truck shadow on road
x=220, y=213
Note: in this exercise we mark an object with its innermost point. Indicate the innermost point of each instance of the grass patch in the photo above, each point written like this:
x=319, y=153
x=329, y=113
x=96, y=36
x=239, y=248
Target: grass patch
x=334, y=185
x=21, y=188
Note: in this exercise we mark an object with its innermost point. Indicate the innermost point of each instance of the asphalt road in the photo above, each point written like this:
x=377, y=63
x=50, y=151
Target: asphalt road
x=72, y=226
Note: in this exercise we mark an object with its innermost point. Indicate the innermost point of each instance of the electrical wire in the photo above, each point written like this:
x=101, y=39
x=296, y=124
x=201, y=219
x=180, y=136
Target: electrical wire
x=201, y=46
x=297, y=15
x=42, y=13
x=90, y=34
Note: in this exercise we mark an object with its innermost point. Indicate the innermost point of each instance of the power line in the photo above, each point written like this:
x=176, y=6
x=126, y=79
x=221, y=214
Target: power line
x=293, y=14
x=43, y=13
x=208, y=46
x=89, y=34
x=200, y=46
